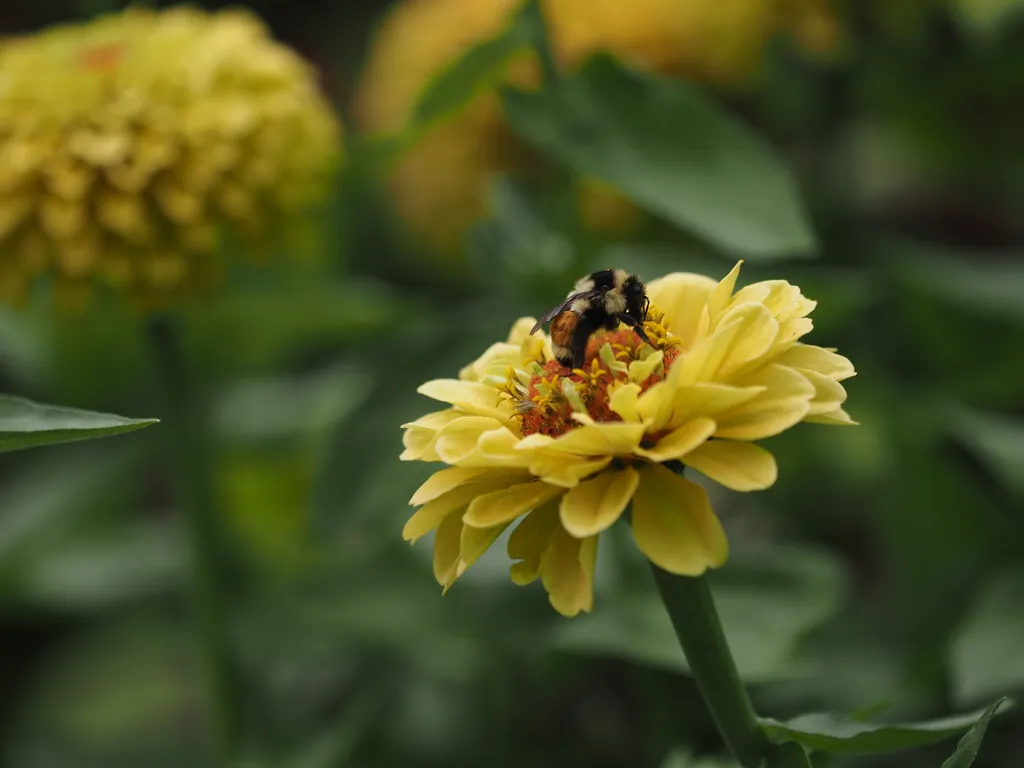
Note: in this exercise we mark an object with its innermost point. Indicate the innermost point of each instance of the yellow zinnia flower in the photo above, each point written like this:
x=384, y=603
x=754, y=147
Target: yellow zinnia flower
x=130, y=145
x=568, y=451
x=441, y=185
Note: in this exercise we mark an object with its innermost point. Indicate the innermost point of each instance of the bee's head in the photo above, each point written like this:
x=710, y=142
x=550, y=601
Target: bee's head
x=637, y=302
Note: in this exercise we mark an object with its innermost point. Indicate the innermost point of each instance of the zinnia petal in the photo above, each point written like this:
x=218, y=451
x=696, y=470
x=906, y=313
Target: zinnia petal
x=428, y=517
x=474, y=542
x=681, y=441
x=460, y=439
x=739, y=466
x=828, y=393
x=720, y=298
x=593, y=505
x=592, y=439
x=785, y=401
x=838, y=417
x=810, y=358
x=506, y=505
x=529, y=541
x=693, y=400
x=447, y=545
x=567, y=571
x=471, y=396
x=673, y=523
x=443, y=481
x=746, y=333
x=681, y=296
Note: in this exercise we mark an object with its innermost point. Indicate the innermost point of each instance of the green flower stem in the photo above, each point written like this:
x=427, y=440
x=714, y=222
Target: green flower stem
x=692, y=609
x=186, y=428
x=542, y=43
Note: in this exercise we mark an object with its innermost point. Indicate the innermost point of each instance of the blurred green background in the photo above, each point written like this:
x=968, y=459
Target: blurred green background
x=884, y=572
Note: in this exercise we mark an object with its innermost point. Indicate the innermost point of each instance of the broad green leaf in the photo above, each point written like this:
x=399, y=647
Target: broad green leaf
x=967, y=749
x=525, y=240
x=987, y=16
x=681, y=758
x=269, y=322
x=987, y=653
x=25, y=424
x=766, y=604
x=672, y=151
x=101, y=569
x=997, y=440
x=987, y=284
x=480, y=67
x=270, y=407
x=41, y=501
x=839, y=734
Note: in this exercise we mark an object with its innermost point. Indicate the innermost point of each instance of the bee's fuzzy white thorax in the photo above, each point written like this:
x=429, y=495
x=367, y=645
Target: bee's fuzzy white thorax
x=583, y=285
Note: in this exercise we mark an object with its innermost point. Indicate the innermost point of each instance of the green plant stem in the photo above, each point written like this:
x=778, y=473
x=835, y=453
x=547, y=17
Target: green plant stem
x=691, y=607
x=542, y=43
x=186, y=425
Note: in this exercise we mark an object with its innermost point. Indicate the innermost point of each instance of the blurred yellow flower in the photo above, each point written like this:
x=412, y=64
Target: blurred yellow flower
x=441, y=185
x=568, y=451
x=131, y=145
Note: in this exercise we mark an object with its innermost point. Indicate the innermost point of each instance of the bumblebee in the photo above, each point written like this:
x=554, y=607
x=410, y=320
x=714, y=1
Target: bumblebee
x=602, y=299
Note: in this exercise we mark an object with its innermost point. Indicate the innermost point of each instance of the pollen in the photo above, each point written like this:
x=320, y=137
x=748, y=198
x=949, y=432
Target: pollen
x=545, y=404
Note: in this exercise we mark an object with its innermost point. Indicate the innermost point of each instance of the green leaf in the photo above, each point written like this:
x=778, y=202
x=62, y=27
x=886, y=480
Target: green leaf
x=969, y=745
x=672, y=151
x=765, y=604
x=827, y=732
x=99, y=570
x=275, y=407
x=24, y=424
x=987, y=16
x=987, y=655
x=480, y=67
x=997, y=440
x=987, y=284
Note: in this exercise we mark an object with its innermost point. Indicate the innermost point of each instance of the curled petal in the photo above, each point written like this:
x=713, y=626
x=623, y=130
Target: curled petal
x=623, y=401
x=746, y=333
x=459, y=440
x=564, y=469
x=507, y=504
x=828, y=393
x=592, y=439
x=694, y=400
x=443, y=481
x=784, y=402
x=471, y=396
x=593, y=505
x=673, y=523
x=680, y=441
x=838, y=417
x=447, y=545
x=682, y=296
x=720, y=298
x=428, y=517
x=739, y=466
x=807, y=357
x=567, y=571
x=473, y=542
x=530, y=540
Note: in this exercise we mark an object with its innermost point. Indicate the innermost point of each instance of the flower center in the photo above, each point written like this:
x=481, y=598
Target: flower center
x=546, y=397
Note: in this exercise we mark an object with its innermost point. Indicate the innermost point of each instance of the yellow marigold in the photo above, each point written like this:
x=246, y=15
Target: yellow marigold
x=568, y=451
x=440, y=187
x=131, y=145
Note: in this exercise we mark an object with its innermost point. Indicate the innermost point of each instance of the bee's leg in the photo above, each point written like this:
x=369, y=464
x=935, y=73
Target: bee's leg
x=580, y=337
x=638, y=327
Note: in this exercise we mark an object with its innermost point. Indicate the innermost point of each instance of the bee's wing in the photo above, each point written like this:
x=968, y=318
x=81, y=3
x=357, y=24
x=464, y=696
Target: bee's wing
x=552, y=314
